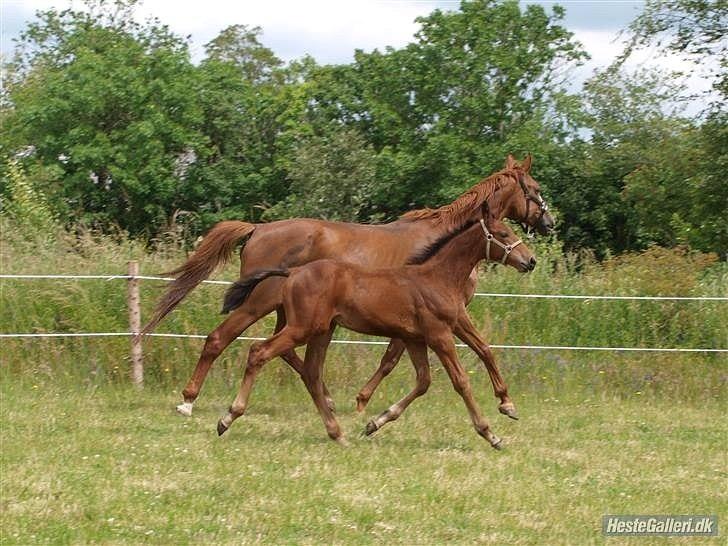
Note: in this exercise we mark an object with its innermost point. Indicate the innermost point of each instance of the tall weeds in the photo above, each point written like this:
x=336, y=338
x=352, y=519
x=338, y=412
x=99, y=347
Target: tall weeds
x=100, y=306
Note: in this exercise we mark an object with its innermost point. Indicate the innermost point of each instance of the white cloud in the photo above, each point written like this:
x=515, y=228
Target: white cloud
x=327, y=29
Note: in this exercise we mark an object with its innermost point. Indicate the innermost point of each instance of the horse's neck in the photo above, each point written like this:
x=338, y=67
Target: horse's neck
x=420, y=232
x=456, y=260
x=499, y=202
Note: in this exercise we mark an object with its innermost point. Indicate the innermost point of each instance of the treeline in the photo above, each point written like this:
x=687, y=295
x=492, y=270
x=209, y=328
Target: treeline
x=114, y=126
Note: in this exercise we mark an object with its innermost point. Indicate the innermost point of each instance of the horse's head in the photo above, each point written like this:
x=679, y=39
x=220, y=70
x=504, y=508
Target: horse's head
x=529, y=207
x=502, y=245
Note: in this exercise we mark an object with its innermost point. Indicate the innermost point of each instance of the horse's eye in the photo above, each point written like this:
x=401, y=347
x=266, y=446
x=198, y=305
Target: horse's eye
x=503, y=234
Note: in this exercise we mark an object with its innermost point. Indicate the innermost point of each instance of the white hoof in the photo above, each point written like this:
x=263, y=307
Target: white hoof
x=185, y=408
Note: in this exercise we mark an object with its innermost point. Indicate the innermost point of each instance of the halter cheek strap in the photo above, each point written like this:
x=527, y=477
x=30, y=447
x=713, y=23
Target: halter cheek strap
x=489, y=237
x=542, y=206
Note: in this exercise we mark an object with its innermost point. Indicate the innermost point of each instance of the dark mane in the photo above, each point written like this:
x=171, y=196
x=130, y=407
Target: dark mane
x=424, y=254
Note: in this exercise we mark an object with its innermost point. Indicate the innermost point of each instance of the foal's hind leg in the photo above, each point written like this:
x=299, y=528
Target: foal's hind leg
x=261, y=302
x=445, y=349
x=260, y=354
x=293, y=360
x=418, y=354
x=389, y=361
x=467, y=332
x=312, y=378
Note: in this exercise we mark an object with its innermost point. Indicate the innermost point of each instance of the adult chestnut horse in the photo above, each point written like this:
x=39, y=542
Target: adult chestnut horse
x=510, y=193
x=420, y=304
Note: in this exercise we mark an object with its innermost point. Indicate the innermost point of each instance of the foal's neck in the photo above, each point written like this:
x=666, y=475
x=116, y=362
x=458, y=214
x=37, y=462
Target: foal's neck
x=454, y=262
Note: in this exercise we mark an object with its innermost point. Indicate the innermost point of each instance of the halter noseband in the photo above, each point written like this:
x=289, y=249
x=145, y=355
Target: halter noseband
x=507, y=249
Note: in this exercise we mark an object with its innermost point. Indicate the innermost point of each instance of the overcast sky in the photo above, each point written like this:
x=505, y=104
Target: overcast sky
x=330, y=30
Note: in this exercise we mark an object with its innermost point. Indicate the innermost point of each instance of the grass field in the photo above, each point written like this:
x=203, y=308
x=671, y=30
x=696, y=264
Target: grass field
x=113, y=465
x=85, y=458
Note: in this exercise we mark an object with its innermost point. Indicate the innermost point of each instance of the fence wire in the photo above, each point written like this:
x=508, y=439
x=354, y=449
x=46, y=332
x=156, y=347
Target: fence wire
x=372, y=342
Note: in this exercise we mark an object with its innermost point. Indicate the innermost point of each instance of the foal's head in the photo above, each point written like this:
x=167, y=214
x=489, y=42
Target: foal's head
x=502, y=245
x=529, y=206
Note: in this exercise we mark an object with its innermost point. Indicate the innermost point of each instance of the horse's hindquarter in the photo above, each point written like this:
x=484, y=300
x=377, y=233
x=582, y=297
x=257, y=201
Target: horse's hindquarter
x=291, y=243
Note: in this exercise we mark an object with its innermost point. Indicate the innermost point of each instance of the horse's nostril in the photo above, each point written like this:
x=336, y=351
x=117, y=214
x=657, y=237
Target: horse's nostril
x=532, y=262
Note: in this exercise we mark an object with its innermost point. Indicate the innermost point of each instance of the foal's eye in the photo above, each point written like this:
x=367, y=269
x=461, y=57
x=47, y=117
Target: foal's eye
x=503, y=234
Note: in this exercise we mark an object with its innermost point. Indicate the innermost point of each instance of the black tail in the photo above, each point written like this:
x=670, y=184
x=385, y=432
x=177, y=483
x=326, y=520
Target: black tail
x=241, y=290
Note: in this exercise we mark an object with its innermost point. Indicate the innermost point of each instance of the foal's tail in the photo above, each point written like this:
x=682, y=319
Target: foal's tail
x=214, y=250
x=241, y=290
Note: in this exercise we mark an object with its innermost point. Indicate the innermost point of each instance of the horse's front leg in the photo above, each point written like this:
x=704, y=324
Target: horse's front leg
x=418, y=353
x=389, y=361
x=466, y=331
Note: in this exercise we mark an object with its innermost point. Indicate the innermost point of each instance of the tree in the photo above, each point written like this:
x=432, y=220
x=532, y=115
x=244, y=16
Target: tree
x=332, y=177
x=647, y=175
x=244, y=96
x=111, y=104
x=694, y=29
x=240, y=46
x=440, y=111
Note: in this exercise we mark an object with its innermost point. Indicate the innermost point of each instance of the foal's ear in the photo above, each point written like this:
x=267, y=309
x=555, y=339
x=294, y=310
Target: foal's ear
x=485, y=210
x=510, y=162
x=526, y=165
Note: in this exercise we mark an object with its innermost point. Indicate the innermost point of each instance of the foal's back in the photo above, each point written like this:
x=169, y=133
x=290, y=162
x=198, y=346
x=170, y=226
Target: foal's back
x=384, y=302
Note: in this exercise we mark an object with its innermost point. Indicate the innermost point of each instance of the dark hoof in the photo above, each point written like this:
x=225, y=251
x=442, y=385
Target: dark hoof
x=221, y=428
x=371, y=428
x=508, y=410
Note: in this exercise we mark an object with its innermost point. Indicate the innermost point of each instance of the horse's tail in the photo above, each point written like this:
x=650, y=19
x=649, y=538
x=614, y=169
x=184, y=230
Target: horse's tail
x=214, y=250
x=241, y=290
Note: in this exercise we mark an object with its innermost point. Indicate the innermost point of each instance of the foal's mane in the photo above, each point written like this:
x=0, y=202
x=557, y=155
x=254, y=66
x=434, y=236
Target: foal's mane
x=454, y=214
x=424, y=254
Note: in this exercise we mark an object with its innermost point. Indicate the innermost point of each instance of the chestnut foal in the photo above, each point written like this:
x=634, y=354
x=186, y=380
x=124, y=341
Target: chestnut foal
x=420, y=304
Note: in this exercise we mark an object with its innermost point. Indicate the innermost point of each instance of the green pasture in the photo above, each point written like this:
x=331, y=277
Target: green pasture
x=112, y=465
x=86, y=458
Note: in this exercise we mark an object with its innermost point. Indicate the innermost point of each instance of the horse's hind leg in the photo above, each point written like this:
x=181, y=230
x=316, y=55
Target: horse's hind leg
x=418, y=354
x=445, y=349
x=312, y=378
x=467, y=332
x=260, y=354
x=261, y=302
x=389, y=361
x=294, y=361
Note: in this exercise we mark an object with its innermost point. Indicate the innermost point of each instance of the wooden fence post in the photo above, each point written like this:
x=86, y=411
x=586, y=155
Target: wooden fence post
x=132, y=300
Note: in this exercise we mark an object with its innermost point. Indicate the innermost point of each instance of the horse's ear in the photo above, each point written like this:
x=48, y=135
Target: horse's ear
x=510, y=162
x=526, y=165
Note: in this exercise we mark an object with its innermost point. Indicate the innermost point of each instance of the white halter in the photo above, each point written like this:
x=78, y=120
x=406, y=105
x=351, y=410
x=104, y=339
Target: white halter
x=507, y=249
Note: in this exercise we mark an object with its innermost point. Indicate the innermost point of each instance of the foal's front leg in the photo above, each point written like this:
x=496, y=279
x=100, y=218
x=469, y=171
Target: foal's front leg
x=466, y=331
x=445, y=348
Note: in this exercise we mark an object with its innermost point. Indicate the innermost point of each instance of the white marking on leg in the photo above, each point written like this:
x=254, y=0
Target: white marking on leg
x=227, y=420
x=185, y=408
x=390, y=415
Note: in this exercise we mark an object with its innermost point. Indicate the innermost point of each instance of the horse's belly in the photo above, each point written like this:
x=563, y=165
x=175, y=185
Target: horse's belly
x=378, y=311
